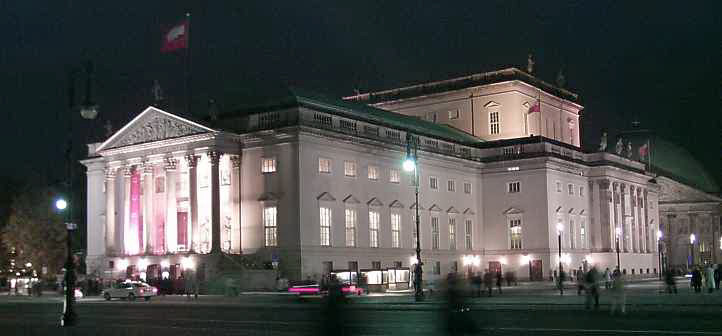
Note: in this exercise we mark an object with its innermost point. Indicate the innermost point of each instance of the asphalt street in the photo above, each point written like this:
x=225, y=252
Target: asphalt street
x=522, y=310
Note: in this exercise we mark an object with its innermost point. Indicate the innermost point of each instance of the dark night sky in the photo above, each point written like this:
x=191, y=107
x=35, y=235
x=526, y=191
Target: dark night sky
x=662, y=61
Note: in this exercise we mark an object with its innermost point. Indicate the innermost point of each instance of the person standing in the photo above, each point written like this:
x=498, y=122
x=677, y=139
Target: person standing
x=607, y=278
x=591, y=282
x=580, y=281
x=709, y=279
x=618, y=296
x=670, y=282
x=488, y=281
x=498, y=281
x=476, y=280
x=696, y=280
x=717, y=276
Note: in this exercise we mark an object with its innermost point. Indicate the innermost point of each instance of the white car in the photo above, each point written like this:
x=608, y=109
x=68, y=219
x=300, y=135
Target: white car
x=130, y=291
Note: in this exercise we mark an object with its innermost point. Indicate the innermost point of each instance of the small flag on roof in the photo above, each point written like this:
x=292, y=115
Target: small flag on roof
x=175, y=38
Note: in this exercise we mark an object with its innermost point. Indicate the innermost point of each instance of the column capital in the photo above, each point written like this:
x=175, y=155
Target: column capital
x=170, y=163
x=128, y=171
x=236, y=161
x=147, y=168
x=109, y=173
x=192, y=160
x=214, y=157
x=603, y=183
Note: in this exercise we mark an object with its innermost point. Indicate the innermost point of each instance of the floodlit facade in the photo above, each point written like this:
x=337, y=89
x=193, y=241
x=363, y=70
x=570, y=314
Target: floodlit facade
x=316, y=185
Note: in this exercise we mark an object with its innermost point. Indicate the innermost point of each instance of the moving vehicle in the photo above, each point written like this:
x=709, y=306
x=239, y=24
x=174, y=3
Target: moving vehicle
x=130, y=290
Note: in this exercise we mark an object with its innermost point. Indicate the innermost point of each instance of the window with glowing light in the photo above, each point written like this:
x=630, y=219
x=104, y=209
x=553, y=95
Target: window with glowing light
x=394, y=176
x=350, y=227
x=515, y=233
x=324, y=165
x=435, y=233
x=494, y=122
x=452, y=233
x=269, y=225
x=468, y=238
x=325, y=226
x=268, y=165
x=395, y=230
x=583, y=233
x=572, y=237
x=454, y=114
x=349, y=168
x=373, y=173
x=374, y=218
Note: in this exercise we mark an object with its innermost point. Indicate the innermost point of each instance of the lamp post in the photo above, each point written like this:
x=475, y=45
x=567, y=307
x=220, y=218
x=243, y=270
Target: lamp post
x=69, y=317
x=692, y=238
x=411, y=164
x=659, y=252
x=617, y=233
x=560, y=228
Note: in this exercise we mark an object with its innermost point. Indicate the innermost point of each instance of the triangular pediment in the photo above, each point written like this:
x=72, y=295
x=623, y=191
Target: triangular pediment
x=452, y=210
x=413, y=206
x=468, y=211
x=512, y=211
x=396, y=204
x=492, y=104
x=374, y=202
x=268, y=197
x=325, y=196
x=151, y=125
x=434, y=208
x=350, y=199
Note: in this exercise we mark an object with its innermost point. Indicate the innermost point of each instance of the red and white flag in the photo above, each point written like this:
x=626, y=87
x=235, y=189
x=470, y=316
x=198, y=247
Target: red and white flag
x=644, y=151
x=175, y=38
x=534, y=108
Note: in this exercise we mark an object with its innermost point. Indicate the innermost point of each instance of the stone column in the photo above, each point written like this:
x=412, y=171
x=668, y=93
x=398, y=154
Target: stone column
x=669, y=248
x=606, y=215
x=214, y=158
x=148, y=193
x=633, y=219
x=110, y=238
x=193, y=237
x=171, y=217
x=235, y=199
x=127, y=173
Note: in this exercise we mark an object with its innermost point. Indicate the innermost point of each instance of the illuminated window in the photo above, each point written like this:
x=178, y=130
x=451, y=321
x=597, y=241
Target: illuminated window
x=325, y=223
x=435, y=233
x=494, y=122
x=269, y=224
x=468, y=234
x=437, y=268
x=582, y=233
x=572, y=236
x=513, y=187
x=394, y=175
x=453, y=114
x=324, y=165
x=452, y=233
x=395, y=230
x=268, y=165
x=451, y=185
x=350, y=227
x=349, y=168
x=467, y=188
x=374, y=228
x=373, y=173
x=515, y=233
x=433, y=182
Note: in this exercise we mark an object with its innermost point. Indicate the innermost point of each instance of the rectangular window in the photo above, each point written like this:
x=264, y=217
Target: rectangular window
x=374, y=228
x=451, y=185
x=582, y=233
x=515, y=233
x=581, y=191
x=349, y=168
x=570, y=188
x=376, y=265
x=452, y=233
x=395, y=230
x=572, y=236
x=324, y=165
x=467, y=188
x=373, y=173
x=433, y=183
x=494, y=123
x=468, y=234
x=325, y=223
x=435, y=233
x=269, y=223
x=453, y=114
x=268, y=165
x=513, y=187
x=414, y=233
x=559, y=187
x=431, y=116
x=394, y=175
x=350, y=227
x=437, y=267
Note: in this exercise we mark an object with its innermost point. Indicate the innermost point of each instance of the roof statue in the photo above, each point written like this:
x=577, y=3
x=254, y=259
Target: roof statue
x=619, y=147
x=603, y=142
x=157, y=93
x=561, y=80
x=530, y=64
x=629, y=149
x=212, y=109
x=108, y=129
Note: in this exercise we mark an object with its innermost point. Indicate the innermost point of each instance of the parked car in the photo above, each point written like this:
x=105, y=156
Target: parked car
x=130, y=290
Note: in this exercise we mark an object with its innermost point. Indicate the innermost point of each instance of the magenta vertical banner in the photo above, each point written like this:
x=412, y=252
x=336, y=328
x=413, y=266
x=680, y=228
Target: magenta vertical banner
x=159, y=211
x=135, y=226
x=183, y=229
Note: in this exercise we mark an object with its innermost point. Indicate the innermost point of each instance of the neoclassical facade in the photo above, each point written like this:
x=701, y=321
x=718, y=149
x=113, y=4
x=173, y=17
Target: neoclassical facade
x=316, y=185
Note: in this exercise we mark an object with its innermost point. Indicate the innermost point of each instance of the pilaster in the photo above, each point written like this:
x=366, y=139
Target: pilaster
x=214, y=158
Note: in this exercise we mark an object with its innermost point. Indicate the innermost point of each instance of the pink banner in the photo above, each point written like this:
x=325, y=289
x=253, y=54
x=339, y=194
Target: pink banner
x=135, y=227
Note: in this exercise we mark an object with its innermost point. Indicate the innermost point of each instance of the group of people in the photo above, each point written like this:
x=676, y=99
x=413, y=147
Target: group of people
x=488, y=279
x=589, y=282
x=708, y=277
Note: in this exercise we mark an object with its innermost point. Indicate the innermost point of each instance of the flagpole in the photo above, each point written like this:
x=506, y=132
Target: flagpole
x=188, y=65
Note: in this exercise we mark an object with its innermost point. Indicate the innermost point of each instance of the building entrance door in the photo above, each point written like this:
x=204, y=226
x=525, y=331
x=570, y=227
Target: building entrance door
x=494, y=267
x=535, y=270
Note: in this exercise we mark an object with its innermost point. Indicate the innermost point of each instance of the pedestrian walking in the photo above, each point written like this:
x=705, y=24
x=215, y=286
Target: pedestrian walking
x=498, y=281
x=607, y=278
x=476, y=280
x=696, y=280
x=619, y=299
x=488, y=281
x=717, y=276
x=670, y=282
x=580, y=281
x=709, y=279
x=591, y=283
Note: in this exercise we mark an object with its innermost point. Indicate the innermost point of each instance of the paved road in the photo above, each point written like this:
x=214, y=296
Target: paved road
x=519, y=311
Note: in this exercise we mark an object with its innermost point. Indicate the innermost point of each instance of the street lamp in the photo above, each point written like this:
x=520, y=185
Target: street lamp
x=409, y=165
x=617, y=234
x=560, y=228
x=692, y=238
x=69, y=317
x=659, y=252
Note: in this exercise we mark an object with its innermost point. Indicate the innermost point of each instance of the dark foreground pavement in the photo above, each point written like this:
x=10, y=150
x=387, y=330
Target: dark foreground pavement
x=517, y=312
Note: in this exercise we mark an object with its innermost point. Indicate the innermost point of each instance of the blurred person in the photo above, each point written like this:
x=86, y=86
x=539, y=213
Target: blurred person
x=717, y=276
x=607, y=277
x=498, y=281
x=458, y=319
x=488, y=281
x=670, y=282
x=696, y=280
x=618, y=296
x=591, y=283
x=709, y=279
x=580, y=281
x=333, y=310
x=476, y=281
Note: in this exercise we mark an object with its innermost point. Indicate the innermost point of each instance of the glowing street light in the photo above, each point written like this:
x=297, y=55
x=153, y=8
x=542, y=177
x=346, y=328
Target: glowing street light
x=188, y=263
x=61, y=204
x=165, y=263
x=617, y=234
x=659, y=251
x=409, y=165
x=560, y=229
x=692, y=239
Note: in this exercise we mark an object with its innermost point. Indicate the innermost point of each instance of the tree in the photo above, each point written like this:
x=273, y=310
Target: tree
x=35, y=230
